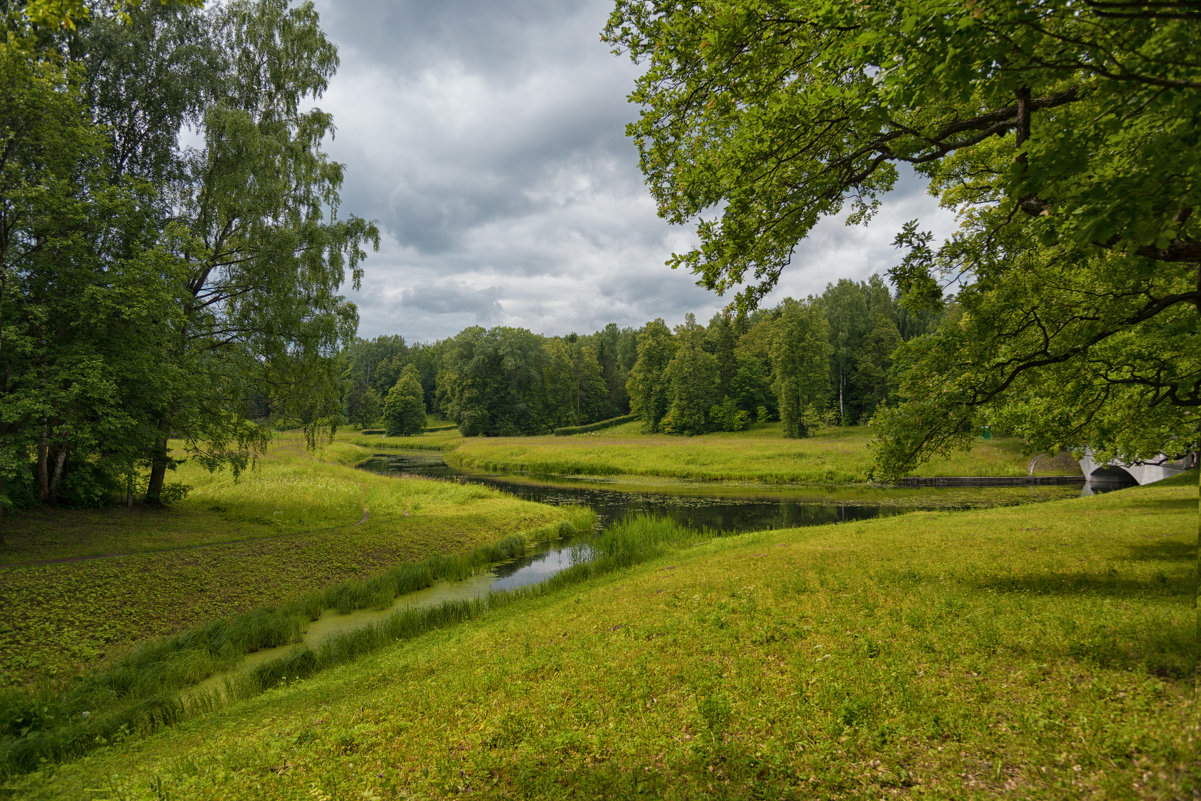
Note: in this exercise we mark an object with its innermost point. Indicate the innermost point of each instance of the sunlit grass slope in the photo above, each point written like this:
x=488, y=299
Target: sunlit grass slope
x=298, y=521
x=1045, y=651
x=837, y=455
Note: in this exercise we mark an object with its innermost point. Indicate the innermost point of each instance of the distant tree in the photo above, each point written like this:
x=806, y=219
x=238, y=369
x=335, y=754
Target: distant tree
x=558, y=378
x=873, y=361
x=492, y=382
x=425, y=359
x=750, y=388
x=800, y=354
x=649, y=395
x=591, y=393
x=721, y=337
x=373, y=408
x=852, y=308
x=404, y=408
x=616, y=351
x=692, y=377
x=846, y=306
x=754, y=381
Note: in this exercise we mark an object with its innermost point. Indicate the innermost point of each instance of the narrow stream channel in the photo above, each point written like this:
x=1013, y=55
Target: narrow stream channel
x=715, y=507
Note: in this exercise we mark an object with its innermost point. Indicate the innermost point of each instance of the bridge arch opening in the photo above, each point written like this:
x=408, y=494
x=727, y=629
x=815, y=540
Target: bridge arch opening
x=1112, y=476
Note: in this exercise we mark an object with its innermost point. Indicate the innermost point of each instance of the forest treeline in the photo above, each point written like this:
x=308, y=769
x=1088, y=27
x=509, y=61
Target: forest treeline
x=824, y=359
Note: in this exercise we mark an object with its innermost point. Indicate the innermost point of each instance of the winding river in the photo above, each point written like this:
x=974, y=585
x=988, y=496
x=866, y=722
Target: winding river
x=718, y=507
x=715, y=506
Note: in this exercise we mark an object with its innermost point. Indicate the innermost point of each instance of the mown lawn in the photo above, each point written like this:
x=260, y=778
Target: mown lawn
x=1045, y=651
x=297, y=522
x=838, y=455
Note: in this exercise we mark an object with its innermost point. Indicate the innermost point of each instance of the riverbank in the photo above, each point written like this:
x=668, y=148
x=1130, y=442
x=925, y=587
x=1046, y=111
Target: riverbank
x=81, y=587
x=1043, y=651
x=759, y=454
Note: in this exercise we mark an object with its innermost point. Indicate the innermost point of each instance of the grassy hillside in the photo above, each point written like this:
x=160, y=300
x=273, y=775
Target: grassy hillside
x=838, y=455
x=1045, y=651
x=80, y=587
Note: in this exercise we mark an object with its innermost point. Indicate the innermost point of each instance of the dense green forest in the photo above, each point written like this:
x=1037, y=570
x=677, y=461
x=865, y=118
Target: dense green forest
x=826, y=359
x=170, y=243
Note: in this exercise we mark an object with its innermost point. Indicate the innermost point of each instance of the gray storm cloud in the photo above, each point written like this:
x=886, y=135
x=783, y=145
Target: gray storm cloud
x=487, y=140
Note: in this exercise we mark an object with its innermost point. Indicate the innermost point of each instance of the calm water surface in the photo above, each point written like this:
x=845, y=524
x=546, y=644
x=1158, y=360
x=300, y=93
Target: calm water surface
x=725, y=507
x=722, y=507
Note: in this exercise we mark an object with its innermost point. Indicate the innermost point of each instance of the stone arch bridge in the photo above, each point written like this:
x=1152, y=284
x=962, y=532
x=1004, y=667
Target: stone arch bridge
x=1145, y=472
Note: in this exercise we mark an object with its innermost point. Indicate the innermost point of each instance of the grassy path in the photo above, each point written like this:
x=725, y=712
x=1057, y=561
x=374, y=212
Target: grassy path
x=1040, y=652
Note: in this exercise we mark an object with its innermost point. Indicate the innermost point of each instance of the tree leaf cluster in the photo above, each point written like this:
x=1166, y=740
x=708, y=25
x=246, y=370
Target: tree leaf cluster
x=802, y=362
x=494, y=382
x=1063, y=132
x=170, y=250
x=827, y=358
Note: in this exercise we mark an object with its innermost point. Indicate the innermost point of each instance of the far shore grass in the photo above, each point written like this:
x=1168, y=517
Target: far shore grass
x=1045, y=651
x=80, y=587
x=760, y=454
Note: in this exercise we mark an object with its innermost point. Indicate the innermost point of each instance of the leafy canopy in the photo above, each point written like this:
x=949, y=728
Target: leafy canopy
x=150, y=289
x=761, y=117
x=1065, y=134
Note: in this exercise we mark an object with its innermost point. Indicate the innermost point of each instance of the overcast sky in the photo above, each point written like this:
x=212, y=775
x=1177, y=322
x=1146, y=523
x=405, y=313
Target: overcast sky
x=488, y=141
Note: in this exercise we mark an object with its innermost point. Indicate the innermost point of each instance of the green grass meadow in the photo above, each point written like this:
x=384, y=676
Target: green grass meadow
x=82, y=587
x=760, y=454
x=1046, y=651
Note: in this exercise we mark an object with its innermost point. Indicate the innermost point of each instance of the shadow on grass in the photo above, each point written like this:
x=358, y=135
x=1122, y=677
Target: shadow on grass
x=1167, y=650
x=1101, y=585
x=712, y=771
x=1163, y=552
x=1158, y=504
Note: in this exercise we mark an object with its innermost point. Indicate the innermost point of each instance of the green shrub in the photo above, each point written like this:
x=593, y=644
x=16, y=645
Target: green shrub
x=87, y=484
x=726, y=416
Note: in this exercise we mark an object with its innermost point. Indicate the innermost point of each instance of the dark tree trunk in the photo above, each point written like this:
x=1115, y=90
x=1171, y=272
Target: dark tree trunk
x=43, y=469
x=158, y=474
x=56, y=475
x=51, y=460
